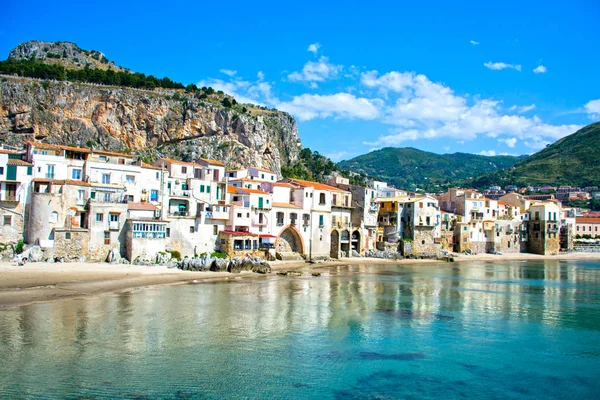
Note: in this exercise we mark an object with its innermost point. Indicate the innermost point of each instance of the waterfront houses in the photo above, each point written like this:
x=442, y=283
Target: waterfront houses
x=83, y=203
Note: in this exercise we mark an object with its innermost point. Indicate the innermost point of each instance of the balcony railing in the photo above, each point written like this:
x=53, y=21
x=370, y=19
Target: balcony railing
x=179, y=213
x=113, y=225
x=49, y=175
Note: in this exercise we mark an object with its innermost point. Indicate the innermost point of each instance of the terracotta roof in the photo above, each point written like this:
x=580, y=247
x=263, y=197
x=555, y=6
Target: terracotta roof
x=284, y=184
x=231, y=189
x=587, y=220
x=315, y=185
x=285, y=205
x=142, y=206
x=239, y=233
x=57, y=147
x=503, y=203
x=150, y=166
x=12, y=161
x=6, y=151
x=171, y=161
x=214, y=162
x=268, y=236
x=61, y=182
x=77, y=149
x=253, y=191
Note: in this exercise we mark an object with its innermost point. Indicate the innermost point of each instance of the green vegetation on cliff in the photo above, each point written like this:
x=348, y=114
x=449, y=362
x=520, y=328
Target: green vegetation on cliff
x=409, y=168
x=313, y=166
x=37, y=69
x=573, y=160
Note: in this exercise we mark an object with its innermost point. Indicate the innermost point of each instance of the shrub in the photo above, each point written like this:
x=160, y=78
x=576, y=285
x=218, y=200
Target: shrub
x=218, y=254
x=226, y=102
x=174, y=254
x=19, y=247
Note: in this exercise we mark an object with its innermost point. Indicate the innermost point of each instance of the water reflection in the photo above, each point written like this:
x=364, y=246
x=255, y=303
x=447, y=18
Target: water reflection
x=228, y=324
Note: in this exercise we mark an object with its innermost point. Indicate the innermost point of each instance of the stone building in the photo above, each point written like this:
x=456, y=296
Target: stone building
x=543, y=228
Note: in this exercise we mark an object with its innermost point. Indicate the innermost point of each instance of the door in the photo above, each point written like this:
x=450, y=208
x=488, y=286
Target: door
x=11, y=172
x=216, y=175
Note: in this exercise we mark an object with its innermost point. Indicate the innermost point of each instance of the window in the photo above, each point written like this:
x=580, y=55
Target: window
x=293, y=218
x=76, y=174
x=68, y=235
x=106, y=178
x=239, y=215
x=321, y=220
x=50, y=171
x=99, y=217
x=201, y=188
x=168, y=232
x=208, y=189
x=322, y=198
x=102, y=158
x=106, y=237
x=184, y=170
x=215, y=230
x=121, y=161
x=7, y=220
x=279, y=218
x=107, y=197
x=114, y=217
x=148, y=230
x=154, y=195
x=238, y=245
x=192, y=229
x=80, y=196
x=157, y=175
x=1, y=170
x=130, y=179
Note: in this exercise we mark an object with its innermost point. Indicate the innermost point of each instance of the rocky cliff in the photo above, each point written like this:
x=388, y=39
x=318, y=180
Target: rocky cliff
x=149, y=123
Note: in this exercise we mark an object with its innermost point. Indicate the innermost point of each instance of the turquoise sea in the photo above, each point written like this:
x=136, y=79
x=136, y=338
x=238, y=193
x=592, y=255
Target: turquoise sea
x=481, y=330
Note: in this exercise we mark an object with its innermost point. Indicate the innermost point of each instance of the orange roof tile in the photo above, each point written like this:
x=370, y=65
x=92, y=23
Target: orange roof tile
x=12, y=161
x=284, y=184
x=171, y=161
x=253, y=191
x=231, y=189
x=57, y=147
x=142, y=206
x=149, y=166
x=587, y=220
x=315, y=185
x=6, y=151
x=214, y=162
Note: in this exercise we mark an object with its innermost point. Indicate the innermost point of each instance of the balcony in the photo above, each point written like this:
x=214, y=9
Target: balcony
x=181, y=193
x=113, y=225
x=553, y=230
x=179, y=213
x=49, y=175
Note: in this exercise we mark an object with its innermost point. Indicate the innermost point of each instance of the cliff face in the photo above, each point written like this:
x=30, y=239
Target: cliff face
x=149, y=123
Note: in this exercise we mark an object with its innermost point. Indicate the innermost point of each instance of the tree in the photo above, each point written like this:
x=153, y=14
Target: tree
x=226, y=102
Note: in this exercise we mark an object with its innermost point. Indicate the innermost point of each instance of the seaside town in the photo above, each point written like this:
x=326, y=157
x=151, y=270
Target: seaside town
x=81, y=204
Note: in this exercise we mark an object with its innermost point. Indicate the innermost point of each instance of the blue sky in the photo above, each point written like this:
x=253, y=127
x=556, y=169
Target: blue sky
x=501, y=78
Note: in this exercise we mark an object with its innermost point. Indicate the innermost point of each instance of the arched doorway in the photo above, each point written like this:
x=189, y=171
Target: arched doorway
x=356, y=241
x=335, y=244
x=289, y=241
x=345, y=243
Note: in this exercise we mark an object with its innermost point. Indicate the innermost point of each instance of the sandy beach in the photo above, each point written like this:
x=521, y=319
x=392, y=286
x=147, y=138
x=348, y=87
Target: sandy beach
x=35, y=282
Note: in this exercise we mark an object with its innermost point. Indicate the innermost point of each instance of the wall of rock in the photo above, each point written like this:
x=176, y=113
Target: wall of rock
x=152, y=123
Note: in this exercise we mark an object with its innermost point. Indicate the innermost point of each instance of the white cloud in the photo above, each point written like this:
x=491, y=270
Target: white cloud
x=500, y=65
x=593, y=108
x=540, y=69
x=474, y=43
x=338, y=156
x=258, y=92
x=229, y=72
x=489, y=153
x=522, y=109
x=426, y=110
x=316, y=71
x=260, y=76
x=340, y=105
x=314, y=48
x=510, y=142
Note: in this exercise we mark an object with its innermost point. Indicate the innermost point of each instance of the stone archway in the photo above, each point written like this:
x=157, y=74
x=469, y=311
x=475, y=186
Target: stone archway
x=289, y=241
x=345, y=243
x=356, y=241
x=335, y=244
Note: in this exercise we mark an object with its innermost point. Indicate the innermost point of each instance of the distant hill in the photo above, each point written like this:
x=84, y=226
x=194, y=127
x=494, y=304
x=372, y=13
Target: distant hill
x=410, y=168
x=572, y=160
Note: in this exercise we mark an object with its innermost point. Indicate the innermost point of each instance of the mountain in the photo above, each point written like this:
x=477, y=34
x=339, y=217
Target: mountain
x=66, y=54
x=410, y=168
x=572, y=160
x=54, y=92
